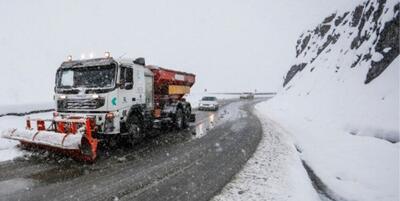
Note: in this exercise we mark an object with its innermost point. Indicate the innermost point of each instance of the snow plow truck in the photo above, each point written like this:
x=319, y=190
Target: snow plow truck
x=104, y=99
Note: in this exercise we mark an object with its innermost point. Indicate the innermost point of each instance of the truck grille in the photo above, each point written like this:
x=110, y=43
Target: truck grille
x=69, y=104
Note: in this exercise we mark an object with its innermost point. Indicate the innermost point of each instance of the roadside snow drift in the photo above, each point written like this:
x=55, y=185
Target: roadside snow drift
x=274, y=172
x=340, y=102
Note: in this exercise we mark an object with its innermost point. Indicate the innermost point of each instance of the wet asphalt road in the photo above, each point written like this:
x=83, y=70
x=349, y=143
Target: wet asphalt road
x=173, y=166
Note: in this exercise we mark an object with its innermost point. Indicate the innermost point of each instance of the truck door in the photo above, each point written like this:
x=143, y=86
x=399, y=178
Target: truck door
x=126, y=95
x=149, y=91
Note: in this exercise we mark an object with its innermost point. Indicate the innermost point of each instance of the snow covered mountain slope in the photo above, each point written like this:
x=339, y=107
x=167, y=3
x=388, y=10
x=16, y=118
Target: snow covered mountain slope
x=340, y=101
x=342, y=68
x=368, y=36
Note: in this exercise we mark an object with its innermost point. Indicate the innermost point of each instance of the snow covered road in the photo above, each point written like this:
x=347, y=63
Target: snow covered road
x=174, y=166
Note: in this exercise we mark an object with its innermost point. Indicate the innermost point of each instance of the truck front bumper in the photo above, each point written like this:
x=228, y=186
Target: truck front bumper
x=103, y=125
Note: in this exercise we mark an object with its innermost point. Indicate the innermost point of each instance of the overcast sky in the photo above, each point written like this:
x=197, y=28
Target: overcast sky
x=230, y=45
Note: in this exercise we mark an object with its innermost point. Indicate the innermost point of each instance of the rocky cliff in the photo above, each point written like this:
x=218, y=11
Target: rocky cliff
x=365, y=37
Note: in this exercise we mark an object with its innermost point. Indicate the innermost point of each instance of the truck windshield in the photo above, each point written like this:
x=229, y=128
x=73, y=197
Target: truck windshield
x=88, y=77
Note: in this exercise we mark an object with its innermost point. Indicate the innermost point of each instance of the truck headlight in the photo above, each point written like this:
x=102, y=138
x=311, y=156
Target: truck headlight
x=107, y=54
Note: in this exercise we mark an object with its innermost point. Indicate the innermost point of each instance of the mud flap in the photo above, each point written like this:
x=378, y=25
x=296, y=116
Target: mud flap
x=192, y=118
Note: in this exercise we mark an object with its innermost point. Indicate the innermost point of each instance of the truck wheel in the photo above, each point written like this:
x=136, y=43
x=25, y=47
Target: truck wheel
x=112, y=141
x=179, y=119
x=134, y=128
x=187, y=117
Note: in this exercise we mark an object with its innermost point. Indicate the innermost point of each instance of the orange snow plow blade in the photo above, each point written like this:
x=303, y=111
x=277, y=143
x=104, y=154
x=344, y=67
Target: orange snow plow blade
x=68, y=136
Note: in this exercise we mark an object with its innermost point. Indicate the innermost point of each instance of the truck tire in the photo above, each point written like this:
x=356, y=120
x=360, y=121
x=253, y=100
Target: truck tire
x=179, y=119
x=135, y=129
x=112, y=141
x=188, y=112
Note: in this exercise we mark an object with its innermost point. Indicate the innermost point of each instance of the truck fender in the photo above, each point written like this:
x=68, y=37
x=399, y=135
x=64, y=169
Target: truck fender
x=135, y=110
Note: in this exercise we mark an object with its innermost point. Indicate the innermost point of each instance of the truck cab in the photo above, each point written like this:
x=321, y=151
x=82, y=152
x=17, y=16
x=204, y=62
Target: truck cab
x=104, y=89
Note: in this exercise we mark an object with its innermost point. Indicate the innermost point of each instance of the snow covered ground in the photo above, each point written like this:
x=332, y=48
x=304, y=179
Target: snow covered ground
x=274, y=172
x=8, y=148
x=24, y=108
x=352, y=167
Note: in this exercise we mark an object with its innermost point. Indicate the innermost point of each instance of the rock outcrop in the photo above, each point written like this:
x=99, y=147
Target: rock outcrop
x=366, y=37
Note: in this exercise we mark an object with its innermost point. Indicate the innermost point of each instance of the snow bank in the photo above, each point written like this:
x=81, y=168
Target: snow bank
x=274, y=172
x=353, y=167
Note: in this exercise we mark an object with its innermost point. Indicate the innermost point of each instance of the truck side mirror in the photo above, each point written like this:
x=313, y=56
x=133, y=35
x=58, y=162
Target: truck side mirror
x=140, y=61
x=128, y=85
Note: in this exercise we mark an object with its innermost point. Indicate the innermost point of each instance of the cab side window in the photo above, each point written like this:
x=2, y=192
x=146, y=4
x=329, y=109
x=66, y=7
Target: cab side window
x=129, y=75
x=126, y=78
x=122, y=76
